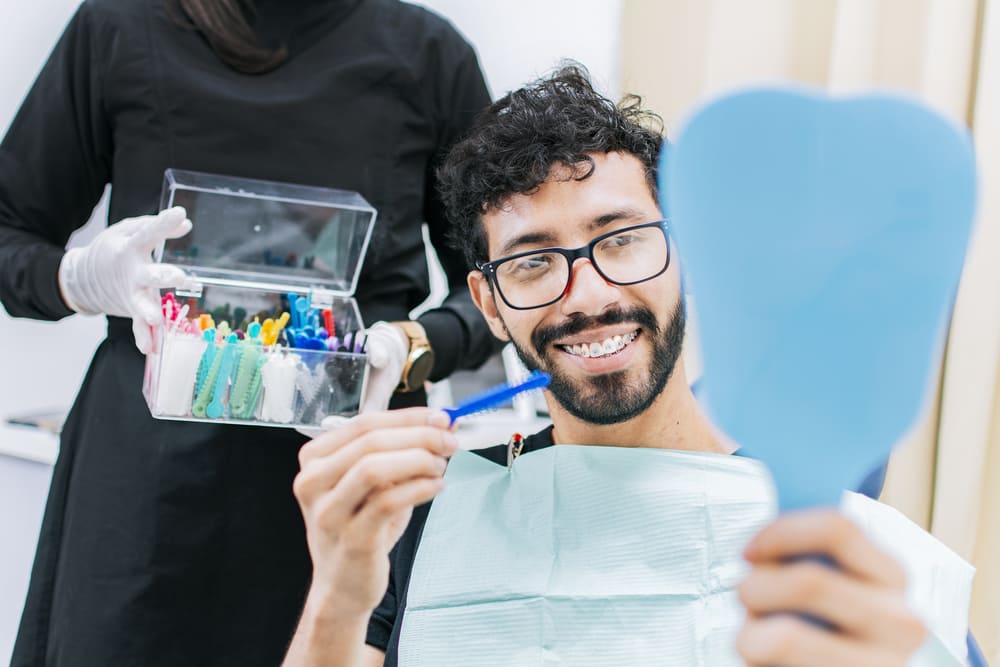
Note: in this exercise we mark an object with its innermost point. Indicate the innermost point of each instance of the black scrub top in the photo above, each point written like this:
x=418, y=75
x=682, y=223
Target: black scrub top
x=175, y=543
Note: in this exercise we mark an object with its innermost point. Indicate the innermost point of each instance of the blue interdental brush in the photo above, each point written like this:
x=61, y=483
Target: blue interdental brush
x=498, y=395
x=217, y=407
x=207, y=359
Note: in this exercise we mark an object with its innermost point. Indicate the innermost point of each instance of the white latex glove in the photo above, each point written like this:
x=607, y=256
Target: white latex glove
x=115, y=274
x=387, y=347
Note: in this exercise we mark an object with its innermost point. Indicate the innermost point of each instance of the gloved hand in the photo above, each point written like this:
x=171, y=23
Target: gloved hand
x=115, y=274
x=387, y=348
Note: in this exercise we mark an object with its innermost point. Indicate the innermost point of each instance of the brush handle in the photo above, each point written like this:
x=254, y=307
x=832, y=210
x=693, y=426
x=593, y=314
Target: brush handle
x=217, y=407
x=497, y=396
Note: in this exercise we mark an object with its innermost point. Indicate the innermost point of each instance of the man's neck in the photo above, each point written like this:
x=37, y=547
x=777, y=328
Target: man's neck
x=673, y=421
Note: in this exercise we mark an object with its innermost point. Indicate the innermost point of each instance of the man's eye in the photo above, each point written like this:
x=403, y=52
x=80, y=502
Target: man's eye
x=530, y=267
x=619, y=241
x=533, y=263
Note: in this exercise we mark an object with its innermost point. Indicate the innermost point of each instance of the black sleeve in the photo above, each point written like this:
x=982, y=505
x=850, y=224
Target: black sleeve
x=384, y=617
x=457, y=331
x=386, y=620
x=54, y=163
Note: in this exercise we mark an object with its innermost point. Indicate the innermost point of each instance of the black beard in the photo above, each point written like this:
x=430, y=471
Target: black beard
x=609, y=398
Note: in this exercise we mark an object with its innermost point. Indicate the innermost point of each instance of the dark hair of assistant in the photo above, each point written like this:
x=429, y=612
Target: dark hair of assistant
x=515, y=142
x=227, y=25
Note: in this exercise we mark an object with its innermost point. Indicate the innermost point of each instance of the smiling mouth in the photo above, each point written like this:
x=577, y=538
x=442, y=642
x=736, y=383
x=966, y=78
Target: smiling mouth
x=604, y=348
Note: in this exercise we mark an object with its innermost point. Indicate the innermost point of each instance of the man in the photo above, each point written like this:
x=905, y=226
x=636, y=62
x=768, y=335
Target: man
x=552, y=167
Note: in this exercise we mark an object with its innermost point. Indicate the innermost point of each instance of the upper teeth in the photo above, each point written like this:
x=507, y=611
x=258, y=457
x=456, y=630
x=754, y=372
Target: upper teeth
x=607, y=346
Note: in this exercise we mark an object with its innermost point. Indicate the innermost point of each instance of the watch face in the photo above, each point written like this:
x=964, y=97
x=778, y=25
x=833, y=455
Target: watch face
x=420, y=369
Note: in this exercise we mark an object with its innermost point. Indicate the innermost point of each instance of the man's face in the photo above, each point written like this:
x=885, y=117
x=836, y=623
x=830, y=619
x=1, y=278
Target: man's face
x=610, y=349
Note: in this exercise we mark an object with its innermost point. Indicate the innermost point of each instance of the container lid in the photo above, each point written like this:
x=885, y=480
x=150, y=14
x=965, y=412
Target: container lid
x=251, y=231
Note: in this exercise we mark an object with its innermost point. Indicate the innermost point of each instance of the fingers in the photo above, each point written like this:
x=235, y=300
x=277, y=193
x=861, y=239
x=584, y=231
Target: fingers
x=143, y=334
x=145, y=306
x=862, y=597
x=351, y=468
x=362, y=425
x=378, y=356
x=160, y=276
x=386, y=343
x=853, y=606
x=365, y=480
x=149, y=279
x=370, y=452
x=320, y=474
x=383, y=506
x=387, y=350
x=829, y=533
x=171, y=223
x=378, y=394
x=377, y=472
x=788, y=641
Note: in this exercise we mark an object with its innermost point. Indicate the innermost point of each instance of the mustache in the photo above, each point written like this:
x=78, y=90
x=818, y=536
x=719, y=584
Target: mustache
x=543, y=337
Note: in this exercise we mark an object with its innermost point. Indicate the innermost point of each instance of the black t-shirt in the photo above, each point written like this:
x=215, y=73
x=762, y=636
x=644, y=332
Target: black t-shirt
x=387, y=619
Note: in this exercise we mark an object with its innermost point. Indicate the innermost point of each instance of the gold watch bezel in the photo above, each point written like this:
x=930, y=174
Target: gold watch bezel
x=420, y=353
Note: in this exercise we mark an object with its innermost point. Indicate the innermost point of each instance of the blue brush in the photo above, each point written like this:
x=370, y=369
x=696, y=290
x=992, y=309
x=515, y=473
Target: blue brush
x=498, y=395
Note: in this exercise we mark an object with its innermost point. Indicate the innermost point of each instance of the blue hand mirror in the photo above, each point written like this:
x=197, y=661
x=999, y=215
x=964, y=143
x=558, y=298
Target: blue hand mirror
x=823, y=241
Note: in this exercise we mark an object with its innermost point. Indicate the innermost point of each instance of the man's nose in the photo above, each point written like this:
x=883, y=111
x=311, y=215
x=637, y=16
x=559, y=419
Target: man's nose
x=588, y=292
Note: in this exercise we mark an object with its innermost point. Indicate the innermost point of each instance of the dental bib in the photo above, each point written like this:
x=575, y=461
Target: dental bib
x=586, y=555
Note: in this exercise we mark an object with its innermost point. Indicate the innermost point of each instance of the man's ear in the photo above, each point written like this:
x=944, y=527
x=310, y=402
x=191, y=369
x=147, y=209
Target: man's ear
x=485, y=300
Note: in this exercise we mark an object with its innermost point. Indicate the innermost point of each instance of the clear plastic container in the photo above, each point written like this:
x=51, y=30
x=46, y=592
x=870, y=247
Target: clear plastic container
x=266, y=330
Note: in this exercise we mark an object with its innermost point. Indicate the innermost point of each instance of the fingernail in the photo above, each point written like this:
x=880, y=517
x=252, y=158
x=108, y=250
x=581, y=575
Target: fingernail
x=439, y=419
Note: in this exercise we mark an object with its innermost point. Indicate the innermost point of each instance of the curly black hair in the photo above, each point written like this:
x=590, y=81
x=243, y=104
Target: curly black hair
x=514, y=143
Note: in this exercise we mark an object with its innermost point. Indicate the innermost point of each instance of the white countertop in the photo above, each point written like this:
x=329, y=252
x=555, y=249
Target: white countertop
x=28, y=443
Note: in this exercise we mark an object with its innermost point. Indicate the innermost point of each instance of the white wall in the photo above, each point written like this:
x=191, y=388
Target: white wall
x=42, y=364
x=27, y=34
x=518, y=40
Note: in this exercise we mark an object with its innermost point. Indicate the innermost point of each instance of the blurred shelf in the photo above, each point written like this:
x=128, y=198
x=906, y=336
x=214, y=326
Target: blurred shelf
x=33, y=444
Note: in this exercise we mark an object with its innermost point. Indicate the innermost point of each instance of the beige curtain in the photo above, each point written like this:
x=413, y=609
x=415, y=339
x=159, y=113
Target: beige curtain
x=675, y=53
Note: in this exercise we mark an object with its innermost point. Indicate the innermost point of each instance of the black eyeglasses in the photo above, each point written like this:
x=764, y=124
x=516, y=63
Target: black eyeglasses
x=538, y=278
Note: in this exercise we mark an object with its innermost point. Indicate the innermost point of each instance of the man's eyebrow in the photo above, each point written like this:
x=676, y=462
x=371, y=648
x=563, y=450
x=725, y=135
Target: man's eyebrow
x=547, y=238
x=533, y=238
x=627, y=213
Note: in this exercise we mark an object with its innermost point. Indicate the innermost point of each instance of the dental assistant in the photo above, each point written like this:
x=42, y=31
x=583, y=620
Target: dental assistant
x=171, y=543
